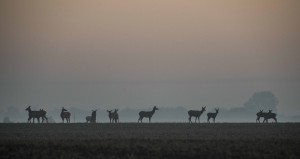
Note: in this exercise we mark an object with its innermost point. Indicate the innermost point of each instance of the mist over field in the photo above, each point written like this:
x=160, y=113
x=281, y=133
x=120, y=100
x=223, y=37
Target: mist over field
x=177, y=78
x=137, y=54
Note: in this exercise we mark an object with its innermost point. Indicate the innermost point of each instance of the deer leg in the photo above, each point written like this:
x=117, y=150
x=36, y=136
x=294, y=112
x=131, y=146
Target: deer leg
x=38, y=119
x=150, y=120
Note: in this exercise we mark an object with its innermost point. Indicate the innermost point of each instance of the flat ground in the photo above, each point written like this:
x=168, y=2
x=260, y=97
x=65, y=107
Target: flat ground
x=157, y=140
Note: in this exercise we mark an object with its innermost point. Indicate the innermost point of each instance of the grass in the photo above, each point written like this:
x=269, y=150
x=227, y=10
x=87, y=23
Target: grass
x=157, y=140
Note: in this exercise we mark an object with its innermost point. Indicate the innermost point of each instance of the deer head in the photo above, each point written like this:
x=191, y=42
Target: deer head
x=63, y=109
x=155, y=108
x=28, y=108
x=203, y=108
x=217, y=110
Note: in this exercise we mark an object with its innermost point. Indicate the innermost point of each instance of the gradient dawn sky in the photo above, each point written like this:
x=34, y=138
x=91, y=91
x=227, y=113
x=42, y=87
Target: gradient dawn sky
x=139, y=53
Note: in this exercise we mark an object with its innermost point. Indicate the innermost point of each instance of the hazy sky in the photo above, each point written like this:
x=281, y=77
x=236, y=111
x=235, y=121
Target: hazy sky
x=138, y=53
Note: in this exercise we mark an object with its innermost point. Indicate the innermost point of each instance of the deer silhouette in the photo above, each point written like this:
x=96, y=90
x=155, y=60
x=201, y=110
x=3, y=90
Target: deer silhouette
x=269, y=115
x=43, y=115
x=36, y=114
x=259, y=115
x=65, y=114
x=212, y=115
x=92, y=118
x=115, y=116
x=196, y=114
x=147, y=114
x=110, y=115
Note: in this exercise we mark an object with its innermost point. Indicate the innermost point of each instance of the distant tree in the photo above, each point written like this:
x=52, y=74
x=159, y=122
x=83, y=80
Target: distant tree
x=6, y=120
x=51, y=120
x=262, y=100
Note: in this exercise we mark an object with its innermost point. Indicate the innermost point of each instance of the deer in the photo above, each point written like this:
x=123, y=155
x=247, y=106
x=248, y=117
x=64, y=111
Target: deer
x=269, y=115
x=259, y=115
x=196, y=114
x=43, y=115
x=212, y=115
x=115, y=116
x=110, y=115
x=92, y=118
x=65, y=114
x=36, y=114
x=147, y=114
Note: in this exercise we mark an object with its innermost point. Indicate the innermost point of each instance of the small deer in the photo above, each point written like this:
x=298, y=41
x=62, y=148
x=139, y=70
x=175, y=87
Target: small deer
x=269, y=115
x=147, y=114
x=43, y=115
x=110, y=115
x=212, y=115
x=259, y=115
x=65, y=114
x=196, y=114
x=115, y=116
x=92, y=118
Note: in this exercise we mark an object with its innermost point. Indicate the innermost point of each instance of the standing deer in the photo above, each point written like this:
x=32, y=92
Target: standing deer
x=92, y=118
x=65, y=114
x=36, y=114
x=212, y=115
x=43, y=115
x=115, y=116
x=110, y=115
x=259, y=115
x=270, y=115
x=147, y=114
x=196, y=114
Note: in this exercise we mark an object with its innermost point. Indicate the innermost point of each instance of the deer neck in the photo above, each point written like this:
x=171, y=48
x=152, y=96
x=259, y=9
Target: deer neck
x=153, y=111
x=29, y=110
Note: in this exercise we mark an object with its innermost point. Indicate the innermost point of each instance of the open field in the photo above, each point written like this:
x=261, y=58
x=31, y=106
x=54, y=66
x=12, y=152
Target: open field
x=157, y=140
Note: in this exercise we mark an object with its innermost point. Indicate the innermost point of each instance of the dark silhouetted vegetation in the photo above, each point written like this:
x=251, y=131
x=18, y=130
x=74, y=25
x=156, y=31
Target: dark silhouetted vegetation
x=133, y=140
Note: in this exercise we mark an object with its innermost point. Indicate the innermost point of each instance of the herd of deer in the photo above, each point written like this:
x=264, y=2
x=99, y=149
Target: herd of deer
x=114, y=116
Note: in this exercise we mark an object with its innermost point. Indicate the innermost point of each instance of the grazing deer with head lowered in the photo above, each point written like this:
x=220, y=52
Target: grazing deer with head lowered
x=212, y=115
x=147, y=114
x=270, y=115
x=92, y=118
x=65, y=114
x=196, y=114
